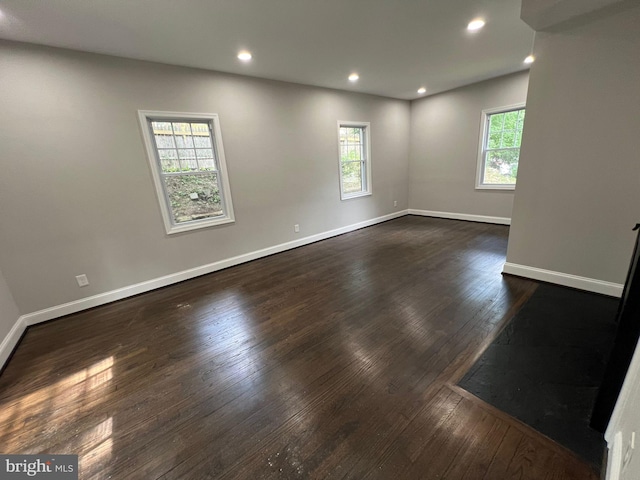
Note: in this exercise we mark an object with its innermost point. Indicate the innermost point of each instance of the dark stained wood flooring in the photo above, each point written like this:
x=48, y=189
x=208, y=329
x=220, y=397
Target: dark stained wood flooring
x=333, y=360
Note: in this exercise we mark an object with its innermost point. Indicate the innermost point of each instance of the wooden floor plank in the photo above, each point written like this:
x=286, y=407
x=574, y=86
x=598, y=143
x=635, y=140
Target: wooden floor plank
x=333, y=360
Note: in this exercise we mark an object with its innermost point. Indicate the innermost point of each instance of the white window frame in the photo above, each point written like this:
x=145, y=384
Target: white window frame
x=145, y=117
x=366, y=173
x=484, y=135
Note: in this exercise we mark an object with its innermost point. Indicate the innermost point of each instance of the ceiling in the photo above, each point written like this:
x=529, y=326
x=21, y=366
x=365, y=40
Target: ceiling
x=396, y=46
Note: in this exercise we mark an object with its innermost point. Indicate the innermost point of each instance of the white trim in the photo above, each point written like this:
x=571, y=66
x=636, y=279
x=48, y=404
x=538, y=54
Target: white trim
x=355, y=195
x=481, y=144
x=11, y=340
x=614, y=459
x=144, y=116
x=565, y=279
x=624, y=418
x=366, y=127
x=461, y=216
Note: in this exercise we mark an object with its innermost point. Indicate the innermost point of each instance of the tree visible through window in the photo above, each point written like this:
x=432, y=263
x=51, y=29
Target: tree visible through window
x=189, y=170
x=355, y=175
x=500, y=150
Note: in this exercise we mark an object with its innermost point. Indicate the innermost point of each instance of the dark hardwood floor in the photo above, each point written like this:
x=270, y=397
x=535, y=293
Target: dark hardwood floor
x=333, y=360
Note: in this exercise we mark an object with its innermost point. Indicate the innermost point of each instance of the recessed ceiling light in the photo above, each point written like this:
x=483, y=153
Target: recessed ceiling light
x=476, y=24
x=354, y=77
x=530, y=59
x=245, y=55
x=422, y=90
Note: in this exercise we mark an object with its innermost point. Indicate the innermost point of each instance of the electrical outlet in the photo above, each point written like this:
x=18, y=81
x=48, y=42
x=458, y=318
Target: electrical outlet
x=395, y=203
x=296, y=228
x=82, y=280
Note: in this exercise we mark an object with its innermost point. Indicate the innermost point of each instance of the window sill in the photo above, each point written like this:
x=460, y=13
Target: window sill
x=354, y=195
x=197, y=225
x=496, y=187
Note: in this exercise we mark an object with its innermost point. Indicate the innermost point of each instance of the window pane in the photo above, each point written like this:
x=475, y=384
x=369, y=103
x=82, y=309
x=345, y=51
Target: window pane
x=344, y=153
x=202, y=142
x=181, y=128
x=169, y=160
x=521, y=120
x=501, y=167
x=187, y=153
x=162, y=128
x=352, y=177
x=204, y=153
x=170, y=166
x=200, y=129
x=188, y=159
x=193, y=197
x=509, y=139
x=164, y=141
x=510, y=120
x=519, y=138
x=353, y=161
x=184, y=141
x=355, y=135
x=354, y=153
x=494, y=140
x=167, y=154
x=496, y=122
x=206, y=164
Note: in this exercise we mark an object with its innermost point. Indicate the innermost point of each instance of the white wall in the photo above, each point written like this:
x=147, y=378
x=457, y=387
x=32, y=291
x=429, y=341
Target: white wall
x=76, y=195
x=625, y=420
x=578, y=193
x=445, y=131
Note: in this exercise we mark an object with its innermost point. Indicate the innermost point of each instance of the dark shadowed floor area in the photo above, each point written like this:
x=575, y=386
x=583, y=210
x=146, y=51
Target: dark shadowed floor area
x=546, y=366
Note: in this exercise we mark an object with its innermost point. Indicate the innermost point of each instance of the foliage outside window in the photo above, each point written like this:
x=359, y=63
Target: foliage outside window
x=355, y=161
x=500, y=147
x=187, y=160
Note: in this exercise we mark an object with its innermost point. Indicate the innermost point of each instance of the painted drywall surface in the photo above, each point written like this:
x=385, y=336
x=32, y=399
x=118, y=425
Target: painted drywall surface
x=543, y=14
x=578, y=193
x=76, y=193
x=8, y=309
x=445, y=132
x=626, y=421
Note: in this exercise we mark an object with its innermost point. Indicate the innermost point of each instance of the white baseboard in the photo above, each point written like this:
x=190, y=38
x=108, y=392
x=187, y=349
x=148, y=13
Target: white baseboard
x=565, y=279
x=461, y=216
x=11, y=340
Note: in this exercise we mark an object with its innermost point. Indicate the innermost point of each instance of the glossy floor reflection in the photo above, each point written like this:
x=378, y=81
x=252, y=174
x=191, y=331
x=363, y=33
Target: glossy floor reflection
x=333, y=360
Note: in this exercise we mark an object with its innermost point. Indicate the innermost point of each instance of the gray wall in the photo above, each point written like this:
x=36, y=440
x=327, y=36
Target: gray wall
x=445, y=130
x=543, y=14
x=76, y=195
x=578, y=191
x=8, y=309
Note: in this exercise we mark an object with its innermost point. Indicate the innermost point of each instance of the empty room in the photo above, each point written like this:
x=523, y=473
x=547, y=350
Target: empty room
x=294, y=239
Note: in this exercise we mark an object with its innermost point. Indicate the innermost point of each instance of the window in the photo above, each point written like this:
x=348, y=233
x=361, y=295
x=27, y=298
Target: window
x=501, y=135
x=189, y=170
x=355, y=159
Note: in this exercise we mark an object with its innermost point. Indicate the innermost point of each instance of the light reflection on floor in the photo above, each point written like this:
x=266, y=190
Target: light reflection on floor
x=54, y=407
x=99, y=444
